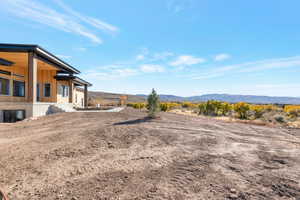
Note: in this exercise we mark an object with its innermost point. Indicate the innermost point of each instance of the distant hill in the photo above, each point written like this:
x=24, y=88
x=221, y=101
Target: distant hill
x=107, y=98
x=232, y=98
x=111, y=98
x=164, y=97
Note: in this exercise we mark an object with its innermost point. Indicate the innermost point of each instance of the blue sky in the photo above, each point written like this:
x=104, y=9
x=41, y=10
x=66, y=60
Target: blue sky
x=180, y=47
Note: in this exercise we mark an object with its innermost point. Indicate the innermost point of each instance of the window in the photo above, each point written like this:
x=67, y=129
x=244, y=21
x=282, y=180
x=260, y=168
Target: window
x=4, y=86
x=64, y=90
x=47, y=90
x=19, y=89
x=38, y=92
x=10, y=116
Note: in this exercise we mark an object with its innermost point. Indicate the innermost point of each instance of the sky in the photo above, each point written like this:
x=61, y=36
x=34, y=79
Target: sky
x=179, y=47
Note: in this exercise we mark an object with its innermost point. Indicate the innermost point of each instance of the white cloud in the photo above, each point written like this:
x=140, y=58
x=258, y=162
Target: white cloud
x=177, y=6
x=222, y=57
x=162, y=55
x=89, y=20
x=70, y=21
x=144, y=52
x=120, y=71
x=146, y=55
x=82, y=49
x=277, y=86
x=110, y=72
x=187, y=60
x=151, y=68
x=125, y=72
x=278, y=63
x=64, y=56
x=140, y=57
x=248, y=67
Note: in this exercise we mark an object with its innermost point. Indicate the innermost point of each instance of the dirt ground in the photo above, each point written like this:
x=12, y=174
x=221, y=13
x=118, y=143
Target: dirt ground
x=83, y=156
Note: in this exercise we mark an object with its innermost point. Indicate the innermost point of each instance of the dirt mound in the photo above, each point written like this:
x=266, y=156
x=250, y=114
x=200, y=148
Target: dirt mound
x=123, y=156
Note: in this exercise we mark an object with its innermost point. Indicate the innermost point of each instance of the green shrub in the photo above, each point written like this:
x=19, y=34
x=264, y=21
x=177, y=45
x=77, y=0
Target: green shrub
x=258, y=110
x=242, y=109
x=279, y=118
x=213, y=108
x=225, y=108
x=137, y=105
x=292, y=110
x=164, y=107
x=189, y=105
x=167, y=106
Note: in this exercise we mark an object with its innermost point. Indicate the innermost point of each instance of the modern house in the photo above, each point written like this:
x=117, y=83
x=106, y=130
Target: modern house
x=34, y=82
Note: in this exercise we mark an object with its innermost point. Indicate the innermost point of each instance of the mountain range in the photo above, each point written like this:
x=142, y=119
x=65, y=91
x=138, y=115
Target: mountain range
x=231, y=98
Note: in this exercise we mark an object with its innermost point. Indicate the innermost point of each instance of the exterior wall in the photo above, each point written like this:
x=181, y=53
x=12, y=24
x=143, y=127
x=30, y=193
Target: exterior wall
x=34, y=109
x=17, y=106
x=43, y=77
x=31, y=110
x=78, y=98
x=60, y=98
x=45, y=74
x=41, y=109
x=19, y=72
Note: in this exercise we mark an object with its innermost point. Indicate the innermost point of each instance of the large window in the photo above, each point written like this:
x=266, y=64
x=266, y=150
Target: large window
x=64, y=90
x=47, y=90
x=10, y=116
x=19, y=89
x=4, y=86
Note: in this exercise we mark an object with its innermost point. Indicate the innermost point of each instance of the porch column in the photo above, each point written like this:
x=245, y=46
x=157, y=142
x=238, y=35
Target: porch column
x=32, y=78
x=85, y=96
x=71, y=88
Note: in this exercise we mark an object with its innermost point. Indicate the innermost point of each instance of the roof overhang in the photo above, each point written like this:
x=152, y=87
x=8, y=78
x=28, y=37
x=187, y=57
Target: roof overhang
x=41, y=54
x=75, y=79
x=6, y=62
x=81, y=81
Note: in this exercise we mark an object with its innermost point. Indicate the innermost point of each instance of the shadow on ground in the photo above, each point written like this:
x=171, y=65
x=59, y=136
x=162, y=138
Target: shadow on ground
x=135, y=121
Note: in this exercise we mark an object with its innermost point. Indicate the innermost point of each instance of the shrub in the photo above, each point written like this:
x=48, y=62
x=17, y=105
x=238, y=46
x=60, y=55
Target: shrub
x=225, y=108
x=189, y=105
x=213, y=108
x=279, y=118
x=202, y=108
x=258, y=110
x=292, y=110
x=164, y=107
x=137, y=105
x=167, y=106
x=270, y=108
x=242, y=109
x=153, y=104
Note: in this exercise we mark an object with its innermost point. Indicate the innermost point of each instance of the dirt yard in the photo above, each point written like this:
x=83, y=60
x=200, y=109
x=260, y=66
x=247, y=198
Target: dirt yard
x=85, y=156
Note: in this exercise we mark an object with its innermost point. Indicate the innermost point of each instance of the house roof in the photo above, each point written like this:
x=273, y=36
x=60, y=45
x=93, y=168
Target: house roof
x=41, y=53
x=82, y=82
x=6, y=62
x=76, y=79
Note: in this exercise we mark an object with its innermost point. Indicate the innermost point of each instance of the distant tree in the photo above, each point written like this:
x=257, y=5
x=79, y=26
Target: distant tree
x=153, y=104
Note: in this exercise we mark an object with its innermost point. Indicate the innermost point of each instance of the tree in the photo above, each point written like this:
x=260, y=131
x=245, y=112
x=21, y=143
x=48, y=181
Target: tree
x=153, y=104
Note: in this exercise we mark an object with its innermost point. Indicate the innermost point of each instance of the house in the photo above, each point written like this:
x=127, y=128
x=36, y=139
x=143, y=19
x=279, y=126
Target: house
x=34, y=82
